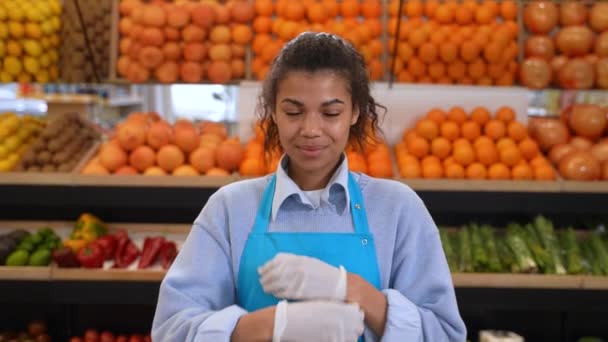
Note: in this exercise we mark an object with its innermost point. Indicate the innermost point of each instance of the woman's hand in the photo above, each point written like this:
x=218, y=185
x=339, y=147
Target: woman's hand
x=300, y=277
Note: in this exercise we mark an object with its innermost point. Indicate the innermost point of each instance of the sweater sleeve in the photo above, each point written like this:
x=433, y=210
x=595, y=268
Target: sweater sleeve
x=421, y=300
x=197, y=296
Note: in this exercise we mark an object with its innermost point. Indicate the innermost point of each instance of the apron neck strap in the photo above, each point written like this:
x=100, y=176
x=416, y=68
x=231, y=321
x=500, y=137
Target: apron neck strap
x=357, y=207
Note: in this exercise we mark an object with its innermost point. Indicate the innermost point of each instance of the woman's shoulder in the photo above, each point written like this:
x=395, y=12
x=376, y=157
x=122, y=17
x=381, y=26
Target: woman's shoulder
x=388, y=189
x=243, y=190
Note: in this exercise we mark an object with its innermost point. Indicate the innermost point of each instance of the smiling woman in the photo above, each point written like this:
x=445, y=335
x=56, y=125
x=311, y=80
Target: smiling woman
x=313, y=252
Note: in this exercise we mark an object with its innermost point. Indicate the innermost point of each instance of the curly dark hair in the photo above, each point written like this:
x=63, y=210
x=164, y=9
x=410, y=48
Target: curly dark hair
x=313, y=52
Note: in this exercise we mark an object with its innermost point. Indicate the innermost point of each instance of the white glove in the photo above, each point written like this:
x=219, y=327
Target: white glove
x=317, y=321
x=300, y=277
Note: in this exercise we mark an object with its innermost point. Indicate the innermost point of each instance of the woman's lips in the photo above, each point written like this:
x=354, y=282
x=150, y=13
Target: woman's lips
x=311, y=151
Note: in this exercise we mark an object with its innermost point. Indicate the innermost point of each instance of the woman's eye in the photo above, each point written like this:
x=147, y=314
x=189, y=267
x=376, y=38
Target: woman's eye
x=331, y=114
x=292, y=113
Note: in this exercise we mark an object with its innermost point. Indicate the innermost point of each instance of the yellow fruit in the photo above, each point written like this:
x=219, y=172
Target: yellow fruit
x=32, y=48
x=5, y=77
x=47, y=27
x=24, y=77
x=45, y=42
x=5, y=165
x=31, y=65
x=12, y=65
x=42, y=76
x=53, y=56
x=15, y=14
x=12, y=143
x=33, y=30
x=44, y=60
x=2, y=48
x=3, y=14
x=55, y=24
x=16, y=29
x=53, y=73
x=3, y=30
x=54, y=40
x=55, y=7
x=13, y=48
x=3, y=151
x=32, y=14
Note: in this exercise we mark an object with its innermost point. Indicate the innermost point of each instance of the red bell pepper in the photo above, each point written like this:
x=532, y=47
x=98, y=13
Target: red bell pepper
x=152, y=247
x=108, y=244
x=168, y=253
x=91, y=256
x=126, y=252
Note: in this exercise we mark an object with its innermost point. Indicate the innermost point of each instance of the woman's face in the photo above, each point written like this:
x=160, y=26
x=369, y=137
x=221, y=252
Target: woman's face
x=313, y=114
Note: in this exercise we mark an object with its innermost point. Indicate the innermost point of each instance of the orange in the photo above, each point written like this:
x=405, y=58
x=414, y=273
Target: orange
x=463, y=154
x=398, y=65
x=410, y=170
x=477, y=69
x=480, y=115
x=259, y=42
x=356, y=162
x=539, y=160
x=457, y=115
x=443, y=14
x=427, y=129
x=295, y=10
x=371, y=9
x=486, y=154
x=376, y=69
x=441, y=147
x=464, y=15
x=495, y=70
x=448, y=52
x=457, y=70
x=418, y=147
x=430, y=7
x=470, y=130
x=437, y=70
x=430, y=160
x=414, y=8
x=505, y=114
x=484, y=15
x=454, y=171
x=262, y=25
x=405, y=77
x=418, y=37
x=332, y=8
x=509, y=155
x=316, y=13
x=544, y=172
x=483, y=140
x=380, y=170
x=449, y=161
x=436, y=115
x=466, y=80
x=450, y=130
x=432, y=171
x=462, y=142
x=516, y=131
x=492, y=6
x=264, y=8
x=375, y=26
x=495, y=129
x=405, y=52
x=409, y=135
x=350, y=8
x=499, y=171
x=505, y=142
x=416, y=67
x=529, y=148
x=485, y=81
x=376, y=48
x=428, y=53
x=522, y=172
x=493, y=52
x=437, y=37
x=469, y=51
x=444, y=80
x=476, y=171
x=470, y=4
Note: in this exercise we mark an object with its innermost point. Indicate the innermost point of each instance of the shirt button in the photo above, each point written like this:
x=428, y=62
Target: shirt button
x=357, y=206
x=364, y=242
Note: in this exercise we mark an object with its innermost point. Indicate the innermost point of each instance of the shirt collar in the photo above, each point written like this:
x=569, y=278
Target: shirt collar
x=286, y=187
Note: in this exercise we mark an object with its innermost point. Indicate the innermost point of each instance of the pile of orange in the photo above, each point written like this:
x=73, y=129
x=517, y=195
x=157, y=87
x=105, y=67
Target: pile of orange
x=452, y=42
x=187, y=41
x=256, y=162
x=277, y=22
x=475, y=145
x=374, y=160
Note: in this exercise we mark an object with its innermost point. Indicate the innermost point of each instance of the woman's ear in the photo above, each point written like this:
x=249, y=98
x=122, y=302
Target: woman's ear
x=355, y=117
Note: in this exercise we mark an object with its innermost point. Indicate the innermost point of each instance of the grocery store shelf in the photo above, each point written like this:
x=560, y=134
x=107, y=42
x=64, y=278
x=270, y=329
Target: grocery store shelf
x=482, y=185
x=25, y=273
x=121, y=275
x=584, y=187
x=537, y=281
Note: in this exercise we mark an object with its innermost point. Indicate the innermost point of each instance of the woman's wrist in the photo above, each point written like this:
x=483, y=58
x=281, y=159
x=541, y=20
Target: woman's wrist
x=371, y=301
x=257, y=326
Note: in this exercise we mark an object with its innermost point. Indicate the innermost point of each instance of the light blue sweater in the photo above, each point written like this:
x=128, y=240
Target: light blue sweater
x=197, y=300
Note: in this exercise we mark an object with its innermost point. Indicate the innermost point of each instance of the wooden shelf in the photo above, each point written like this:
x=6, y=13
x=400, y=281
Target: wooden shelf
x=482, y=185
x=79, y=274
x=530, y=281
x=25, y=273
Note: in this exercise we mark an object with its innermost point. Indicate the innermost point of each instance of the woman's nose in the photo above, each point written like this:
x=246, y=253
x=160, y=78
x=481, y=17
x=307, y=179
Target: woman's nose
x=311, y=125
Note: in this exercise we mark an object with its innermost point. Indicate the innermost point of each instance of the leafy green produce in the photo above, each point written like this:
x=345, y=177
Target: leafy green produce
x=480, y=257
x=521, y=253
x=465, y=262
x=487, y=236
x=573, y=257
x=591, y=264
x=507, y=259
x=599, y=252
x=19, y=257
x=448, y=249
x=546, y=236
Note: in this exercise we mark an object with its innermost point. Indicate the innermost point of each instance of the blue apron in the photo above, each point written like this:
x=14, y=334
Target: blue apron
x=355, y=251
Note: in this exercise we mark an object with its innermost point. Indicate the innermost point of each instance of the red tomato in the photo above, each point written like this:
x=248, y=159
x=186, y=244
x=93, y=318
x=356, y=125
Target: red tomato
x=91, y=335
x=106, y=336
x=136, y=338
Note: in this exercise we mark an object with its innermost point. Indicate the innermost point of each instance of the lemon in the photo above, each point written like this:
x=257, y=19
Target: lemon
x=46, y=27
x=45, y=42
x=44, y=60
x=53, y=73
x=24, y=77
x=3, y=151
x=42, y=76
x=3, y=30
x=53, y=56
x=2, y=48
x=5, y=165
x=55, y=23
x=54, y=40
x=16, y=29
x=5, y=77
x=13, y=48
x=32, y=48
x=12, y=143
x=31, y=65
x=55, y=7
x=15, y=13
x=3, y=14
x=12, y=65
x=3, y=133
x=33, y=30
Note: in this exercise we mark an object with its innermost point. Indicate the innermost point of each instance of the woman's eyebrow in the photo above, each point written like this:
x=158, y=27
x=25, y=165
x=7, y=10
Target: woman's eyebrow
x=292, y=101
x=331, y=102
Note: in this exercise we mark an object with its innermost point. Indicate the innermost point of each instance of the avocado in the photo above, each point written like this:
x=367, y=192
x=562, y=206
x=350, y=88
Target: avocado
x=37, y=239
x=27, y=246
x=41, y=257
x=18, y=258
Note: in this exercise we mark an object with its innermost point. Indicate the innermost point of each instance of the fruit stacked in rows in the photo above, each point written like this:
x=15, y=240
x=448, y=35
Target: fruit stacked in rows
x=185, y=41
x=16, y=135
x=256, y=161
x=473, y=145
x=452, y=42
x=374, y=159
x=76, y=64
x=577, y=143
x=278, y=22
x=29, y=40
x=567, y=45
x=34, y=249
x=61, y=145
x=146, y=144
x=92, y=335
x=36, y=331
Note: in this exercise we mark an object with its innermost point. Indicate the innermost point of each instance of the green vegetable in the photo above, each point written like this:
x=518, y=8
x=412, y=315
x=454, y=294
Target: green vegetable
x=487, y=236
x=448, y=249
x=521, y=252
x=27, y=246
x=591, y=264
x=46, y=232
x=37, y=239
x=540, y=255
x=480, y=257
x=573, y=257
x=599, y=251
x=18, y=258
x=41, y=257
x=546, y=234
x=506, y=257
x=465, y=262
